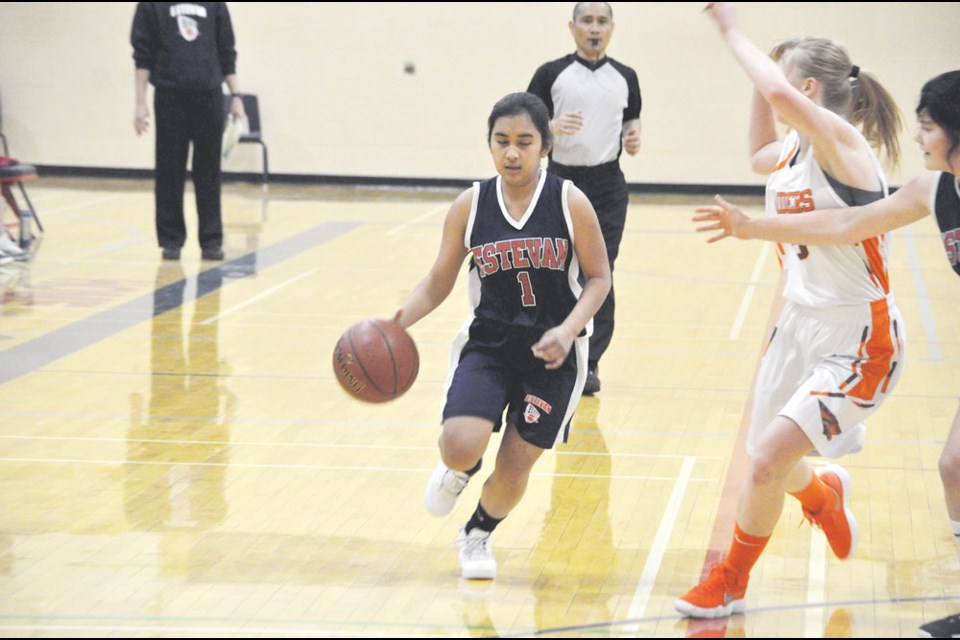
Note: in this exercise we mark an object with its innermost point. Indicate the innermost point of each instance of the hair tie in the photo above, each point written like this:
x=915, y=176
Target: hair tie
x=854, y=71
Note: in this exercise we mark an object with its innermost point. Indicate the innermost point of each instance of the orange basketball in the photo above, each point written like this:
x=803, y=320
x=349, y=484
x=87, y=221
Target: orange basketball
x=376, y=360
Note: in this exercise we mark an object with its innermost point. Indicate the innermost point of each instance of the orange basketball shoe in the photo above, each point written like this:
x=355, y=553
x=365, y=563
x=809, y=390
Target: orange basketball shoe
x=835, y=517
x=720, y=594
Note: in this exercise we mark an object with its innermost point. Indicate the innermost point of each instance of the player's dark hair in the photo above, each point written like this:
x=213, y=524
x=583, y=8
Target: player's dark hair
x=515, y=104
x=940, y=98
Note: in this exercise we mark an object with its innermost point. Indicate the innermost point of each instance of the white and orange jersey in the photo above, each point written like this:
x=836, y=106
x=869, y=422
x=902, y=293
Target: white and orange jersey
x=822, y=276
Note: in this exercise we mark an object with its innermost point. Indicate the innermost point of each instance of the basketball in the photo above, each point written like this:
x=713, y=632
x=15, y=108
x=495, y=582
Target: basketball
x=376, y=360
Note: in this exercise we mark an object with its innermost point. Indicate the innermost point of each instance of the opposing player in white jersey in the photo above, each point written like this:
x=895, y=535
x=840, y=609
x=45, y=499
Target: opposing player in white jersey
x=936, y=193
x=837, y=347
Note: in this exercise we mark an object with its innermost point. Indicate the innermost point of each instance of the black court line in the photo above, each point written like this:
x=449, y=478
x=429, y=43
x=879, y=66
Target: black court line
x=612, y=625
x=41, y=351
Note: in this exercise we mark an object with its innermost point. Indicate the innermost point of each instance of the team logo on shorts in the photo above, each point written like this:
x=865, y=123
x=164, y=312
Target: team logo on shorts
x=188, y=28
x=831, y=426
x=534, y=406
x=531, y=415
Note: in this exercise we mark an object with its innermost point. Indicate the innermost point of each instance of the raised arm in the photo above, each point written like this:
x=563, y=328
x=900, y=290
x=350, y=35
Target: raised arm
x=763, y=145
x=837, y=145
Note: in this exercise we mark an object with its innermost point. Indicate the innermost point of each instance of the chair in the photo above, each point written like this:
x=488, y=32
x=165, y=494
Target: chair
x=13, y=172
x=254, y=134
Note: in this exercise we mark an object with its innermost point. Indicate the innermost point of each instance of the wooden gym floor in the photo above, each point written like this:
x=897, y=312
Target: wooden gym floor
x=177, y=460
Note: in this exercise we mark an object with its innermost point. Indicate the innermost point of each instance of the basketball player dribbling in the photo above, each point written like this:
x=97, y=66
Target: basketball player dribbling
x=528, y=236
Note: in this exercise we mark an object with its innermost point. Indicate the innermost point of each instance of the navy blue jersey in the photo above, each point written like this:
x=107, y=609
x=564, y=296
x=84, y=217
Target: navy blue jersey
x=523, y=282
x=946, y=206
x=523, y=276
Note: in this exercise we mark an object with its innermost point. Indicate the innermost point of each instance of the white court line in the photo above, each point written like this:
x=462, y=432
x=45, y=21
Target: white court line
x=651, y=568
x=324, y=445
x=429, y=214
x=79, y=205
x=748, y=294
x=261, y=295
x=133, y=234
x=816, y=585
x=934, y=352
x=323, y=467
x=242, y=630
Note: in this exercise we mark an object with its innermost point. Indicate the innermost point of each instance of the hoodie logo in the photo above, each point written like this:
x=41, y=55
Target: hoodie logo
x=188, y=28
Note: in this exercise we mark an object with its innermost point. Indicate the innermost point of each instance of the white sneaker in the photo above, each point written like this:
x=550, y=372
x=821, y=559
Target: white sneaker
x=443, y=489
x=10, y=249
x=476, y=555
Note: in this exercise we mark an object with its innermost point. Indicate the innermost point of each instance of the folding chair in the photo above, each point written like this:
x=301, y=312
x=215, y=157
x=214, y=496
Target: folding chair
x=13, y=172
x=255, y=135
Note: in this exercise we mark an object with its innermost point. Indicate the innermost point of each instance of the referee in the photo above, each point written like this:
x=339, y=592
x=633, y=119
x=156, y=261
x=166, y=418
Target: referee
x=594, y=104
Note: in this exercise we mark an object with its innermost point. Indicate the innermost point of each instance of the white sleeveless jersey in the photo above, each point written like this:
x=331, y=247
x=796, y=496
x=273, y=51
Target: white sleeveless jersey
x=822, y=276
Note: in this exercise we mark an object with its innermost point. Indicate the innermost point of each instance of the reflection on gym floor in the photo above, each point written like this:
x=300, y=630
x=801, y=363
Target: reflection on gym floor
x=176, y=458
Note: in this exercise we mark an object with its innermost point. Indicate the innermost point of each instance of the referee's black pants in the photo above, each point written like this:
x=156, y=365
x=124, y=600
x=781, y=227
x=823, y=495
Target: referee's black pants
x=185, y=117
x=606, y=188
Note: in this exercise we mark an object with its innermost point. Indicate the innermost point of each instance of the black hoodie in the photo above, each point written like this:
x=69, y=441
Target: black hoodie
x=185, y=45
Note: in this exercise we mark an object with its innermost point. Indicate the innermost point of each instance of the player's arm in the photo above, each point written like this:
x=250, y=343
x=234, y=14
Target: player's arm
x=823, y=226
x=439, y=281
x=837, y=144
x=762, y=141
x=591, y=253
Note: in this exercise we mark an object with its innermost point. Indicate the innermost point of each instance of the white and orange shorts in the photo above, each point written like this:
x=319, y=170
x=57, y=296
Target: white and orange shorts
x=828, y=369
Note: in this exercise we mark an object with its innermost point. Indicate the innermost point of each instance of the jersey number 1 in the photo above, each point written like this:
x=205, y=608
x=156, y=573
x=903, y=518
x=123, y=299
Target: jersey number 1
x=526, y=290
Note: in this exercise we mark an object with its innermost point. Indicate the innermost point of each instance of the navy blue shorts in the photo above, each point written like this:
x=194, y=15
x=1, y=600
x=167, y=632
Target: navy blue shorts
x=536, y=400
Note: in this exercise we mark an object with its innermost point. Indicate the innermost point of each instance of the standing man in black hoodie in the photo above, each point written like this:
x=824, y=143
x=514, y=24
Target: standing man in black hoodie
x=186, y=51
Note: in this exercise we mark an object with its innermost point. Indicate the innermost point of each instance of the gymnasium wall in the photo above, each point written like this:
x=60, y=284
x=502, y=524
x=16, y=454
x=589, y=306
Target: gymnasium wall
x=402, y=90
